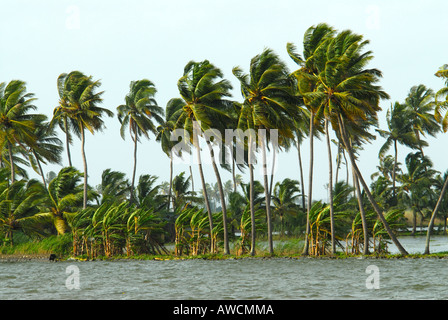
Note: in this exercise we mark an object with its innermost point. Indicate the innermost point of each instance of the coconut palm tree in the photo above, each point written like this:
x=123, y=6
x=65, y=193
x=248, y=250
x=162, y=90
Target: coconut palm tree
x=204, y=94
x=285, y=197
x=352, y=100
x=398, y=131
x=79, y=107
x=420, y=112
x=137, y=113
x=47, y=147
x=440, y=105
x=315, y=42
x=268, y=105
x=16, y=123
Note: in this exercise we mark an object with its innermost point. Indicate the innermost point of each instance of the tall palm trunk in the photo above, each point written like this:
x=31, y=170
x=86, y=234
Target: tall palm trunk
x=67, y=142
x=267, y=195
x=299, y=155
x=310, y=187
x=251, y=197
x=11, y=163
x=395, y=168
x=131, y=197
x=433, y=215
x=330, y=188
x=204, y=192
x=84, y=161
x=223, y=201
x=171, y=181
x=366, y=189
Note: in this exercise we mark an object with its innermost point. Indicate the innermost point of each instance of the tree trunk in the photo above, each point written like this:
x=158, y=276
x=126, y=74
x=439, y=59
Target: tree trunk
x=221, y=195
x=171, y=181
x=302, y=186
x=204, y=192
x=192, y=183
x=40, y=169
x=11, y=163
x=67, y=142
x=251, y=197
x=267, y=195
x=310, y=186
x=131, y=196
x=366, y=189
x=433, y=215
x=362, y=212
x=330, y=187
x=84, y=161
x=395, y=169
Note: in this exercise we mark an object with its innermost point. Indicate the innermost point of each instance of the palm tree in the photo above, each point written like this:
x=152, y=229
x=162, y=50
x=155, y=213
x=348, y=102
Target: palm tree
x=268, y=105
x=79, y=104
x=415, y=181
x=204, y=104
x=18, y=204
x=420, y=110
x=114, y=188
x=47, y=147
x=352, y=99
x=398, y=131
x=443, y=73
x=315, y=42
x=65, y=197
x=286, y=194
x=16, y=123
x=137, y=114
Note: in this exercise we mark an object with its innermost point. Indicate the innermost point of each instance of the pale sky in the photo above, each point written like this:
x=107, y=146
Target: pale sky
x=121, y=41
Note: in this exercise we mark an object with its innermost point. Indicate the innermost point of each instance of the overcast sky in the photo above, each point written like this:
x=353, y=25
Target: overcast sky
x=121, y=41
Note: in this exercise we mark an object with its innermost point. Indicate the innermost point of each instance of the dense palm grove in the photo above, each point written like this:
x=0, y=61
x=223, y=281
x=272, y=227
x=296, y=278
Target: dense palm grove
x=332, y=92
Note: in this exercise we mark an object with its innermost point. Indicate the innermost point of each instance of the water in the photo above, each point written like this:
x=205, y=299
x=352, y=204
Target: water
x=286, y=279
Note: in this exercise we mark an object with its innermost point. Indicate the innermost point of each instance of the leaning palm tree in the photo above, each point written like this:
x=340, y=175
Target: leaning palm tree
x=79, y=104
x=440, y=105
x=315, y=42
x=16, y=123
x=204, y=94
x=353, y=100
x=268, y=105
x=137, y=113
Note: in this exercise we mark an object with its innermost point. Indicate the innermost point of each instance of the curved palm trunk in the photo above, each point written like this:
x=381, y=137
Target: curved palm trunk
x=433, y=215
x=330, y=188
x=223, y=201
x=310, y=187
x=84, y=161
x=267, y=196
x=366, y=189
x=204, y=192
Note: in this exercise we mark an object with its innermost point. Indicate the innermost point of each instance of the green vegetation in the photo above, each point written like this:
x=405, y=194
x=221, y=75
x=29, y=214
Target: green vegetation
x=332, y=92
